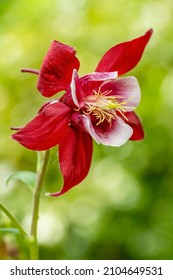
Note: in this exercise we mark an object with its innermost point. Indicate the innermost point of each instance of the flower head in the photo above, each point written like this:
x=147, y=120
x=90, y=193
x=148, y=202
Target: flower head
x=98, y=106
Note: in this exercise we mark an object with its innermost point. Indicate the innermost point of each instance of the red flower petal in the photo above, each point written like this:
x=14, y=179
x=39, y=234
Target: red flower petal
x=75, y=153
x=56, y=71
x=124, y=57
x=135, y=123
x=47, y=129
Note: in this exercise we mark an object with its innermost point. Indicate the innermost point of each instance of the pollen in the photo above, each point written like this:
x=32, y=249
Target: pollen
x=105, y=106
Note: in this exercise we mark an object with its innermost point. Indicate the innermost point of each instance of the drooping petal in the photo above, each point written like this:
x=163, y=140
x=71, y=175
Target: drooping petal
x=56, y=70
x=75, y=153
x=83, y=86
x=73, y=85
x=134, y=121
x=98, y=76
x=115, y=134
x=126, y=90
x=47, y=129
x=124, y=57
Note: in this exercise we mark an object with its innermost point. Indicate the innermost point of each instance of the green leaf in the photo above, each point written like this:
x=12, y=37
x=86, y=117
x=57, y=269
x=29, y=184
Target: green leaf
x=9, y=230
x=26, y=177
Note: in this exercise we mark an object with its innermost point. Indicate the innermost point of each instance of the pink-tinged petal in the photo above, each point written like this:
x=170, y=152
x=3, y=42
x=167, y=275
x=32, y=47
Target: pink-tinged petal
x=56, y=70
x=126, y=90
x=80, y=87
x=99, y=76
x=47, y=129
x=75, y=153
x=125, y=56
x=73, y=85
x=91, y=83
x=135, y=123
x=87, y=84
x=115, y=134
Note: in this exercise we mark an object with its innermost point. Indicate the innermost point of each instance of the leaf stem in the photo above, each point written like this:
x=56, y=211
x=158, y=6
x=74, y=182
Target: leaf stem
x=41, y=171
x=14, y=220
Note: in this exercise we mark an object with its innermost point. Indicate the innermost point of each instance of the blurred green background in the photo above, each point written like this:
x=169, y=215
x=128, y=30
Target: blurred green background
x=124, y=208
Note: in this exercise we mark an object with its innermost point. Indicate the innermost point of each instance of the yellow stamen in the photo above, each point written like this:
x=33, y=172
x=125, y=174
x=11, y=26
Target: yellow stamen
x=105, y=106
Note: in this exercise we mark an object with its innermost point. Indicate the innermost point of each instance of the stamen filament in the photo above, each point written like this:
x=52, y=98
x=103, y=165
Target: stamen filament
x=104, y=106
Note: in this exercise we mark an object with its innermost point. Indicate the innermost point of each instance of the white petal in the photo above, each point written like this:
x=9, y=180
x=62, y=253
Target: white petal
x=73, y=87
x=99, y=76
x=126, y=90
x=89, y=127
x=118, y=133
x=129, y=89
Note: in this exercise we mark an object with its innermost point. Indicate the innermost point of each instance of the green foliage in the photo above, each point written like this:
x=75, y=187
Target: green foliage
x=124, y=209
x=9, y=230
x=26, y=177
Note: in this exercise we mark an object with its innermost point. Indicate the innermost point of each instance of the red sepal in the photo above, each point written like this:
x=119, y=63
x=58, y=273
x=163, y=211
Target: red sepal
x=124, y=57
x=135, y=123
x=75, y=153
x=56, y=71
x=47, y=129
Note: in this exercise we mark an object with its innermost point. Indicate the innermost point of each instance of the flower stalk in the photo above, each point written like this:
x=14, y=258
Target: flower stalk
x=42, y=164
x=14, y=220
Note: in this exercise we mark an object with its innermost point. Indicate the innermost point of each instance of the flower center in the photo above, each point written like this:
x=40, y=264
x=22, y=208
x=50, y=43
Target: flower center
x=105, y=106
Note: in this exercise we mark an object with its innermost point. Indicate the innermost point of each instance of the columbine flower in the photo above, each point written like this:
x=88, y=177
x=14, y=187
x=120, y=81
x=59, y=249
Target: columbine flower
x=97, y=106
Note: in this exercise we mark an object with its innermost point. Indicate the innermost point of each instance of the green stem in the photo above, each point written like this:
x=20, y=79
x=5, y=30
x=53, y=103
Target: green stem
x=41, y=172
x=14, y=220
